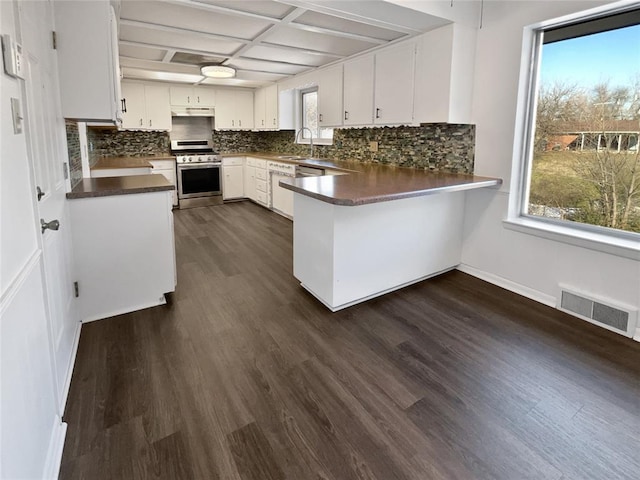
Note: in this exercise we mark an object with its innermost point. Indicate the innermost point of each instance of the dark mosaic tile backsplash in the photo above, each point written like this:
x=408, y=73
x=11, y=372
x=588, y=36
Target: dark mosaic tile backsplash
x=436, y=147
x=73, y=148
x=109, y=142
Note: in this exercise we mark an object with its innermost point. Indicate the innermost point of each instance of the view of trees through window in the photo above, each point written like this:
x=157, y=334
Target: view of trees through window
x=309, y=101
x=586, y=160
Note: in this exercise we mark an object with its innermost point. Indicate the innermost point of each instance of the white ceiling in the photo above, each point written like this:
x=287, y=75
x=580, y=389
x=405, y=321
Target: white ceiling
x=265, y=40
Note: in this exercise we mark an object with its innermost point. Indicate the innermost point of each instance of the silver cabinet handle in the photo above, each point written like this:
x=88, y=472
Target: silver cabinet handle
x=150, y=123
x=40, y=193
x=52, y=225
x=346, y=115
x=140, y=122
x=377, y=113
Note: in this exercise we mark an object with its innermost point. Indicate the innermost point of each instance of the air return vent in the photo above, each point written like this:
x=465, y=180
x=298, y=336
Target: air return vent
x=616, y=318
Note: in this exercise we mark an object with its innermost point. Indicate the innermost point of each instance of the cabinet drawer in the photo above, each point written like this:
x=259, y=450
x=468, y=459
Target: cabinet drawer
x=261, y=197
x=251, y=162
x=261, y=186
x=260, y=163
x=233, y=161
x=261, y=174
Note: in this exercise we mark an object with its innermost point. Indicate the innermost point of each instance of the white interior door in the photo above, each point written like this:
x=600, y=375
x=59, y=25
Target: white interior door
x=47, y=150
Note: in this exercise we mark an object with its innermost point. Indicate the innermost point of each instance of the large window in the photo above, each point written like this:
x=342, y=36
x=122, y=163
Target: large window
x=583, y=156
x=309, y=119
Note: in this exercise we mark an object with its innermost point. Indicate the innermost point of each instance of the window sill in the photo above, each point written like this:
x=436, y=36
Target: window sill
x=621, y=247
x=317, y=141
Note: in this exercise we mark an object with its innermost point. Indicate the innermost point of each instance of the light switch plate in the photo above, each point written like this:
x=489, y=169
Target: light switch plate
x=373, y=146
x=12, y=56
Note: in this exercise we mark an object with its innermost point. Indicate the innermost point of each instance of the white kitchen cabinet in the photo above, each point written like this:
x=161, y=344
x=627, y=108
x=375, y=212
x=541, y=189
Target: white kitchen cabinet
x=330, y=111
x=358, y=91
x=133, y=106
x=167, y=168
x=444, y=75
x=233, y=178
x=183, y=96
x=157, y=107
x=259, y=109
x=146, y=107
x=88, y=62
x=271, y=107
x=234, y=110
x=124, y=252
x=249, y=180
x=394, y=81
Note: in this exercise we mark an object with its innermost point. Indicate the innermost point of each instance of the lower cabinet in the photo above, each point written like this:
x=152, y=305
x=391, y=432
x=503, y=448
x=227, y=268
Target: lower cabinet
x=233, y=178
x=167, y=168
x=281, y=198
x=249, y=179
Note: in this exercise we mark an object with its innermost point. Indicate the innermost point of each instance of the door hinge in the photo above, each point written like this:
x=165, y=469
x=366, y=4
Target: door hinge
x=54, y=40
x=76, y=289
x=65, y=170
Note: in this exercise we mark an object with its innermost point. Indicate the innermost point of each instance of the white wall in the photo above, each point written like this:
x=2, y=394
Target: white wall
x=31, y=432
x=529, y=264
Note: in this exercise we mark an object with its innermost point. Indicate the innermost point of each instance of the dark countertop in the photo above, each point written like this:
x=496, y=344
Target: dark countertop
x=108, y=186
x=128, y=162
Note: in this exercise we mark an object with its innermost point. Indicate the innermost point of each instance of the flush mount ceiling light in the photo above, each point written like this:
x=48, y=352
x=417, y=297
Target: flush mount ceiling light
x=218, y=71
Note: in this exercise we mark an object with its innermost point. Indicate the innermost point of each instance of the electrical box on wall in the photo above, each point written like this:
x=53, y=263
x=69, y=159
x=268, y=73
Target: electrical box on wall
x=12, y=55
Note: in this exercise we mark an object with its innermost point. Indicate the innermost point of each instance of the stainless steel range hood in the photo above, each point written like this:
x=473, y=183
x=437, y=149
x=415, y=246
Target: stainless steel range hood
x=192, y=111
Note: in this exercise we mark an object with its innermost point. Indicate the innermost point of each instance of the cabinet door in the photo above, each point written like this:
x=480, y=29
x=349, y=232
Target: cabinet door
x=87, y=55
x=134, y=102
x=259, y=109
x=244, y=105
x=158, y=107
x=250, y=182
x=205, y=96
x=394, y=85
x=232, y=182
x=182, y=96
x=330, y=97
x=271, y=106
x=224, y=110
x=358, y=91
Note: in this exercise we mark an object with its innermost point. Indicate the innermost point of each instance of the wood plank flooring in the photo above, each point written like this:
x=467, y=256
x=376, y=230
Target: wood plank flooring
x=245, y=376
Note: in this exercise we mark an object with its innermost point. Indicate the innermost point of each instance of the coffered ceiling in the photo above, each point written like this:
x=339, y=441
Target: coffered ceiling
x=264, y=40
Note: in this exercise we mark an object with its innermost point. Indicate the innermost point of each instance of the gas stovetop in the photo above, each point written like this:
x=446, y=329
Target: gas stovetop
x=194, y=151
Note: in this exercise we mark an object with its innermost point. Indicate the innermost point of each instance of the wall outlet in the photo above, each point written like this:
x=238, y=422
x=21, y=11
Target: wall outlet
x=373, y=146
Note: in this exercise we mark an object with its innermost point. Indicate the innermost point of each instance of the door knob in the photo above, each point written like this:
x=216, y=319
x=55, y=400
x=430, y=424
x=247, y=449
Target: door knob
x=52, y=225
x=40, y=193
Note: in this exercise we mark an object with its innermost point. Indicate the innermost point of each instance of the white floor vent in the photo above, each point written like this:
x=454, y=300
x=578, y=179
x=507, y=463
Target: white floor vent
x=617, y=318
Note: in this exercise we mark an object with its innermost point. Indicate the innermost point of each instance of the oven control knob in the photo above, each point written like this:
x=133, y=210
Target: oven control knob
x=189, y=159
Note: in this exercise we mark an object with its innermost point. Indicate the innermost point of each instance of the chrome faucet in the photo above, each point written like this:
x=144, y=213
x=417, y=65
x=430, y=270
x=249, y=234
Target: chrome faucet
x=310, y=139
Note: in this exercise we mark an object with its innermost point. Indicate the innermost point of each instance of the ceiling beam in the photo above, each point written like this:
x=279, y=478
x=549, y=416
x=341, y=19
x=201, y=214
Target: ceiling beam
x=327, y=10
x=223, y=10
x=338, y=33
x=169, y=55
x=181, y=31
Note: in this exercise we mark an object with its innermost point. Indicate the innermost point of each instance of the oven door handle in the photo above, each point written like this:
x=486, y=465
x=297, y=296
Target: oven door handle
x=199, y=165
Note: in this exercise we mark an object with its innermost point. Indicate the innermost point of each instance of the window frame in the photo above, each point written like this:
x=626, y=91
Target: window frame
x=610, y=240
x=299, y=120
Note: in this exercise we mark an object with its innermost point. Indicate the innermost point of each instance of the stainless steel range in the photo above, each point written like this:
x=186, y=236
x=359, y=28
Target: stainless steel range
x=199, y=170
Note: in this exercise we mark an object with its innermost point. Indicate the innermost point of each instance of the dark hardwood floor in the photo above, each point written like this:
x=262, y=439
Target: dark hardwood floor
x=246, y=376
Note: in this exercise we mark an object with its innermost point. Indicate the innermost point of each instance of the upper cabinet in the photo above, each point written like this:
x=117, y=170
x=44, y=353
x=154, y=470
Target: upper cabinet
x=330, y=111
x=394, y=77
x=88, y=65
x=358, y=91
x=444, y=75
x=259, y=109
x=266, y=108
x=146, y=106
x=271, y=107
x=186, y=96
x=234, y=110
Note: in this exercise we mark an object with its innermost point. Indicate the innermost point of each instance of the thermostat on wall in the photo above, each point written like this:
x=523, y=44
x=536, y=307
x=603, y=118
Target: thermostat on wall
x=12, y=55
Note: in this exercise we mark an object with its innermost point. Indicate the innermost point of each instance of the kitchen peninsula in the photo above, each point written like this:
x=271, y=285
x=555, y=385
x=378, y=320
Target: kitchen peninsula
x=124, y=251
x=376, y=230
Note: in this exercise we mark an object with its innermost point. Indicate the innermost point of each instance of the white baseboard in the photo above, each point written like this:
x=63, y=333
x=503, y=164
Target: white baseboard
x=530, y=293
x=54, y=454
x=514, y=287
x=72, y=362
